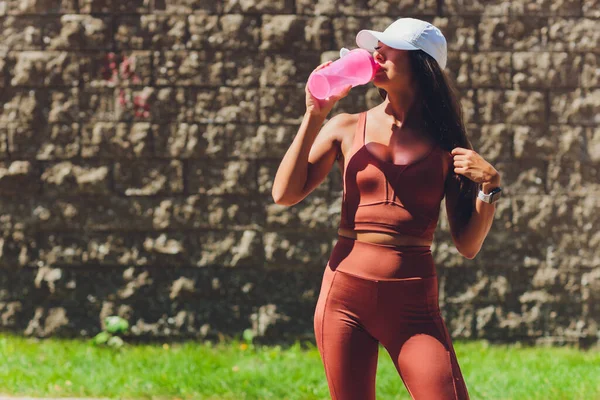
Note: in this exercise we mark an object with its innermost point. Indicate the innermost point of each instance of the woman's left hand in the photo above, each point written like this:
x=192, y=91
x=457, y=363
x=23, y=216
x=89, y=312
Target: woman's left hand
x=470, y=164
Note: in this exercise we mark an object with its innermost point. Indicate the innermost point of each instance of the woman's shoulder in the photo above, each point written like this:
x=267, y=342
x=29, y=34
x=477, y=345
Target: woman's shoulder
x=342, y=125
x=344, y=119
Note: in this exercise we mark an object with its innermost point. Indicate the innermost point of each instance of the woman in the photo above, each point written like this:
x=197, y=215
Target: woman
x=398, y=160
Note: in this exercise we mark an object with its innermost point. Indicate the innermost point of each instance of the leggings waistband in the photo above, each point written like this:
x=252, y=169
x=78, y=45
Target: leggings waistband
x=377, y=261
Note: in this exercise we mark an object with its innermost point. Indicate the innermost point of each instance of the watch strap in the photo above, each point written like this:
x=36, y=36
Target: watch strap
x=490, y=197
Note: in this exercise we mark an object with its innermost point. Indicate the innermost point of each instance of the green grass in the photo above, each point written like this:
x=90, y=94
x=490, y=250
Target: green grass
x=55, y=367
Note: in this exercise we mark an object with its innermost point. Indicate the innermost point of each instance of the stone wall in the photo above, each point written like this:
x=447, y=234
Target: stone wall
x=139, y=141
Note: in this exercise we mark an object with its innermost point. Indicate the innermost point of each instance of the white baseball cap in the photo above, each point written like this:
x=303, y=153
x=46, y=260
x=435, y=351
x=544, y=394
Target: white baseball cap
x=408, y=34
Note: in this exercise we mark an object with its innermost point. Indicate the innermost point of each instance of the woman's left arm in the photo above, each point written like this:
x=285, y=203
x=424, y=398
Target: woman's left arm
x=470, y=236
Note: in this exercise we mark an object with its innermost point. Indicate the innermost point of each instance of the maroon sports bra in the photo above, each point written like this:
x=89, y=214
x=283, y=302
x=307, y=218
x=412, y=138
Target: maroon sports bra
x=385, y=197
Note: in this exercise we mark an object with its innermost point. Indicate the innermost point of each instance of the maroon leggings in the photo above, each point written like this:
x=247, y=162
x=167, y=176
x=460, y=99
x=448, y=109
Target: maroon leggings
x=371, y=294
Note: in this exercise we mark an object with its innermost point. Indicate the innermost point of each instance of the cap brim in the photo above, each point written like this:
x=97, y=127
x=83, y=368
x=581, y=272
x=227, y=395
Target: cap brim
x=368, y=40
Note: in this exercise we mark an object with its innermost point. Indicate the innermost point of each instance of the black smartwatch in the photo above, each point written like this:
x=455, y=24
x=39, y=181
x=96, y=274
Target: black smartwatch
x=491, y=197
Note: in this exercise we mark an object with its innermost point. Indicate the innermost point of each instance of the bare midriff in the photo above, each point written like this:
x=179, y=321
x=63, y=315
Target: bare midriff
x=384, y=238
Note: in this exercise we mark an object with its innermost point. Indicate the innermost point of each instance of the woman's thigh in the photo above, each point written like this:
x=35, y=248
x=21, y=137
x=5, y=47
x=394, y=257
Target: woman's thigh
x=349, y=353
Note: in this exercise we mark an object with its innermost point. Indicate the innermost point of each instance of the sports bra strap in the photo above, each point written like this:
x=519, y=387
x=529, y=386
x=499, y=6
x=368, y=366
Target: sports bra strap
x=359, y=134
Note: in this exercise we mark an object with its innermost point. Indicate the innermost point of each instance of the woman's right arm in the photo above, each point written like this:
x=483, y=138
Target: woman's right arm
x=313, y=151
x=309, y=159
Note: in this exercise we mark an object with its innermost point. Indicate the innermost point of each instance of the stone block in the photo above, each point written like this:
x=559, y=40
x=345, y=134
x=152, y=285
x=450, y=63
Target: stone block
x=546, y=7
x=108, y=140
x=270, y=141
x=23, y=216
x=247, y=142
x=590, y=284
x=365, y=7
x=208, y=212
x=193, y=140
x=64, y=105
x=41, y=106
x=185, y=68
x=459, y=320
x=292, y=33
x=486, y=285
x=579, y=107
x=573, y=176
x=67, y=178
x=228, y=249
x=77, y=32
x=523, y=176
x=593, y=144
x=162, y=104
x=591, y=8
x=186, y=7
x=96, y=6
x=3, y=73
x=573, y=34
x=492, y=70
x=467, y=103
x=133, y=6
x=18, y=177
x=18, y=33
x=218, y=176
x=21, y=106
x=545, y=70
x=572, y=232
x=149, y=177
x=460, y=32
x=477, y=7
x=151, y=31
x=335, y=185
x=138, y=104
x=226, y=32
x=45, y=142
x=259, y=6
x=133, y=68
x=72, y=212
x=205, y=32
x=533, y=141
x=590, y=76
x=282, y=105
x=4, y=132
x=507, y=33
x=99, y=104
x=242, y=69
x=226, y=104
x=330, y=7
x=19, y=7
x=315, y=212
x=48, y=68
x=289, y=249
x=17, y=250
x=266, y=175
x=459, y=68
x=132, y=32
x=391, y=7
x=511, y=106
x=83, y=248
x=492, y=142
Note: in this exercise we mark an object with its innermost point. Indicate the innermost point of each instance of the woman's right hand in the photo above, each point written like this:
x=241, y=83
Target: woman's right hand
x=319, y=107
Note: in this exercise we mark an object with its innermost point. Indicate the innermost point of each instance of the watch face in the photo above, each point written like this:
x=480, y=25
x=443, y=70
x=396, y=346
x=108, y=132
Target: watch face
x=494, y=195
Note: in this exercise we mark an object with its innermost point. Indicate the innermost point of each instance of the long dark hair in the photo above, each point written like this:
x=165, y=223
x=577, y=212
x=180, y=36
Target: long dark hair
x=443, y=119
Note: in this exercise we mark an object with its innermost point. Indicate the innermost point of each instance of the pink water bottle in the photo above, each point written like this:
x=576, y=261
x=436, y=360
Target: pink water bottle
x=355, y=67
